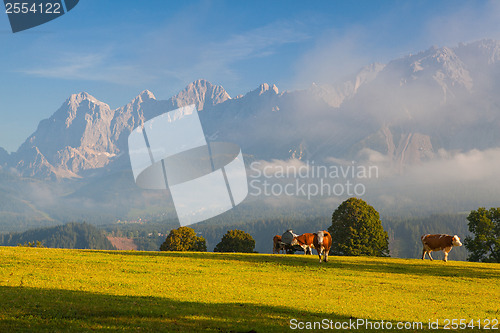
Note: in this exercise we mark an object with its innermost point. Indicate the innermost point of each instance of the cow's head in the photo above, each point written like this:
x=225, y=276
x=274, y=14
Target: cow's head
x=294, y=241
x=456, y=241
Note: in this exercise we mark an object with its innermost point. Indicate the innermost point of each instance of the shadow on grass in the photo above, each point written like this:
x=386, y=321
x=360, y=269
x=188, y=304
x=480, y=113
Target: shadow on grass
x=53, y=310
x=436, y=268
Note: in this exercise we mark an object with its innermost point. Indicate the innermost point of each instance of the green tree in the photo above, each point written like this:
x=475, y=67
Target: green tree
x=236, y=241
x=183, y=239
x=485, y=225
x=356, y=230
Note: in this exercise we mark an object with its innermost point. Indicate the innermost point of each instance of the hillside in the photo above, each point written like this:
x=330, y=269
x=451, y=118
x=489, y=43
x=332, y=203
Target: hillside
x=80, y=290
x=69, y=236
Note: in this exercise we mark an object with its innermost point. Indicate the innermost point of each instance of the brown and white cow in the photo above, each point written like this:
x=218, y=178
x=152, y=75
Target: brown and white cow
x=439, y=243
x=278, y=245
x=322, y=242
x=305, y=241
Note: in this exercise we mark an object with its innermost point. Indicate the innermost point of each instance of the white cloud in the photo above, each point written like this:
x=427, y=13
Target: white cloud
x=335, y=55
x=475, y=166
x=89, y=67
x=455, y=180
x=222, y=57
x=259, y=42
x=278, y=168
x=176, y=51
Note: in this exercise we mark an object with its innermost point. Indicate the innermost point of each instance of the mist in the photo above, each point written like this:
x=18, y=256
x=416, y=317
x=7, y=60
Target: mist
x=428, y=121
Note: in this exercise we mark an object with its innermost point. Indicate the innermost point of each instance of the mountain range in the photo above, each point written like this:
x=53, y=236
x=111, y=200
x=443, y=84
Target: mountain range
x=407, y=112
x=407, y=109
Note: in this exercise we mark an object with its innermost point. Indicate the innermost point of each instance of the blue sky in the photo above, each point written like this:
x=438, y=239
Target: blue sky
x=115, y=49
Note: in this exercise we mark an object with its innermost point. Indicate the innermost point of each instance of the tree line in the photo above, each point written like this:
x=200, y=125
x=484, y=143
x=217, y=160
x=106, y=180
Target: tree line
x=356, y=230
x=68, y=236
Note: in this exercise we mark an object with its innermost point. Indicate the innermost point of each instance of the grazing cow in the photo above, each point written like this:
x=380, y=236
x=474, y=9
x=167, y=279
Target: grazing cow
x=278, y=245
x=289, y=241
x=438, y=243
x=305, y=241
x=322, y=242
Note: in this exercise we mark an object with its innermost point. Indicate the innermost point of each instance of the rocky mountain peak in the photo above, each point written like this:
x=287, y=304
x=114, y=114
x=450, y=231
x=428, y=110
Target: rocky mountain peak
x=78, y=105
x=76, y=99
x=439, y=65
x=480, y=54
x=201, y=93
x=145, y=95
x=264, y=88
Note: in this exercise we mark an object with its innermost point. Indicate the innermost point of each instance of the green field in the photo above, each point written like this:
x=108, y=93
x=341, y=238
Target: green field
x=78, y=290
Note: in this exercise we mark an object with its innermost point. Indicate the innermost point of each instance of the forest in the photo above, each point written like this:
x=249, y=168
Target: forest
x=68, y=236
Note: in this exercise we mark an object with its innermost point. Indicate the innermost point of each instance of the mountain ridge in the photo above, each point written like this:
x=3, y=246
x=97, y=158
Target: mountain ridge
x=85, y=133
x=380, y=108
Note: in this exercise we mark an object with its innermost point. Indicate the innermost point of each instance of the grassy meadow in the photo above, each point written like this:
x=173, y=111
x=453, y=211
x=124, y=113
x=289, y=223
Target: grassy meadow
x=55, y=290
